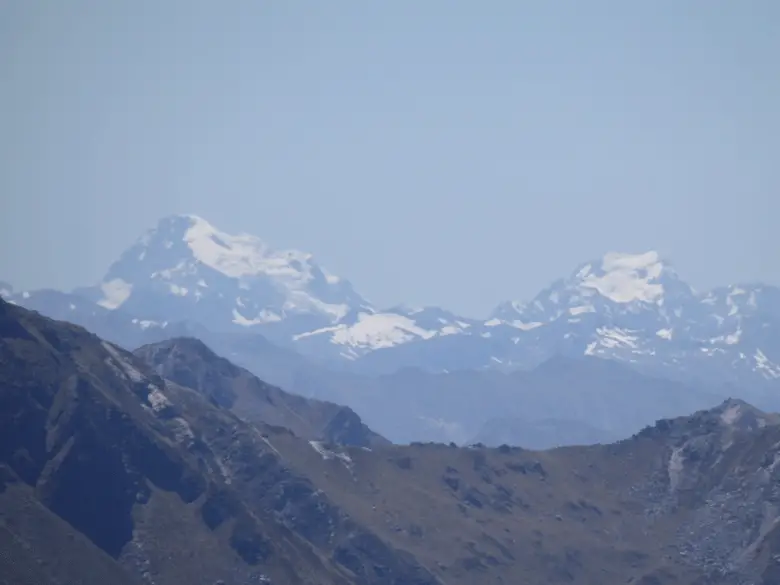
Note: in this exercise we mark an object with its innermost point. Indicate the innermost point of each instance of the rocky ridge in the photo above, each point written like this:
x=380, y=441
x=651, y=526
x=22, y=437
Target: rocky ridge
x=159, y=484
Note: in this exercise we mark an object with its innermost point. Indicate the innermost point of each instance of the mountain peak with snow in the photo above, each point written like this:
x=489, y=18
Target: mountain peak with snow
x=185, y=266
x=625, y=278
x=616, y=282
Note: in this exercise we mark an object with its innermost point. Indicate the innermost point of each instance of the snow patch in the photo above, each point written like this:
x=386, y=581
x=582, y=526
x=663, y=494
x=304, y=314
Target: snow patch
x=264, y=316
x=330, y=278
x=115, y=293
x=374, y=331
x=525, y=326
x=734, y=309
x=582, y=309
x=665, y=333
x=244, y=255
x=145, y=323
x=302, y=301
x=616, y=337
x=767, y=367
x=731, y=339
x=327, y=454
x=628, y=278
x=449, y=330
x=179, y=291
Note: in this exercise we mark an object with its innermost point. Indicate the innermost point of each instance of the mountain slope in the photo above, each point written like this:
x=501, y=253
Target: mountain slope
x=174, y=489
x=190, y=363
x=168, y=485
x=39, y=547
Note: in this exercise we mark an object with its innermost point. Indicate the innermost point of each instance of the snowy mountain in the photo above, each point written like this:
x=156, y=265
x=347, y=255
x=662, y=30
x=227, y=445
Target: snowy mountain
x=631, y=308
x=185, y=274
x=186, y=270
x=635, y=308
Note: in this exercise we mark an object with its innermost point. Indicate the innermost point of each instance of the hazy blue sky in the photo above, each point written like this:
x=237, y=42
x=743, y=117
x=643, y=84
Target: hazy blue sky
x=436, y=152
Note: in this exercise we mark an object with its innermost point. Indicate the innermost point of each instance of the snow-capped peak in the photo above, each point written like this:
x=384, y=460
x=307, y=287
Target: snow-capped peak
x=617, y=282
x=625, y=278
x=181, y=244
x=242, y=255
x=185, y=266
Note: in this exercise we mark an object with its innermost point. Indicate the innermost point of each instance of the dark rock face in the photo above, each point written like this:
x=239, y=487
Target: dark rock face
x=103, y=442
x=94, y=492
x=346, y=428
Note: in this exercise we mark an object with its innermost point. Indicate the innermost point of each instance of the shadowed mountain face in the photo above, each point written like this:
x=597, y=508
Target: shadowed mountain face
x=111, y=473
x=171, y=487
x=190, y=363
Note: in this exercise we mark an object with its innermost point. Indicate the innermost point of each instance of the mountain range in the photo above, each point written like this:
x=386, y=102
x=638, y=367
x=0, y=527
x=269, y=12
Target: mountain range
x=620, y=342
x=187, y=274
x=112, y=472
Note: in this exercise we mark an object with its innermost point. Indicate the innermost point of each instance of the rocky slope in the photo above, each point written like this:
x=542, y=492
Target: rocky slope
x=166, y=486
x=143, y=480
x=188, y=362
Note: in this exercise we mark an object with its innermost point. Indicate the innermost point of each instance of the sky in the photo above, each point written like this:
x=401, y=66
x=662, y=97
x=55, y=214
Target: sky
x=444, y=152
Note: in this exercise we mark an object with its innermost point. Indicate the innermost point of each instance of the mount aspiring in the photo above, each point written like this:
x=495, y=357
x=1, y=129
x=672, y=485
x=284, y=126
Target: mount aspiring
x=186, y=277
